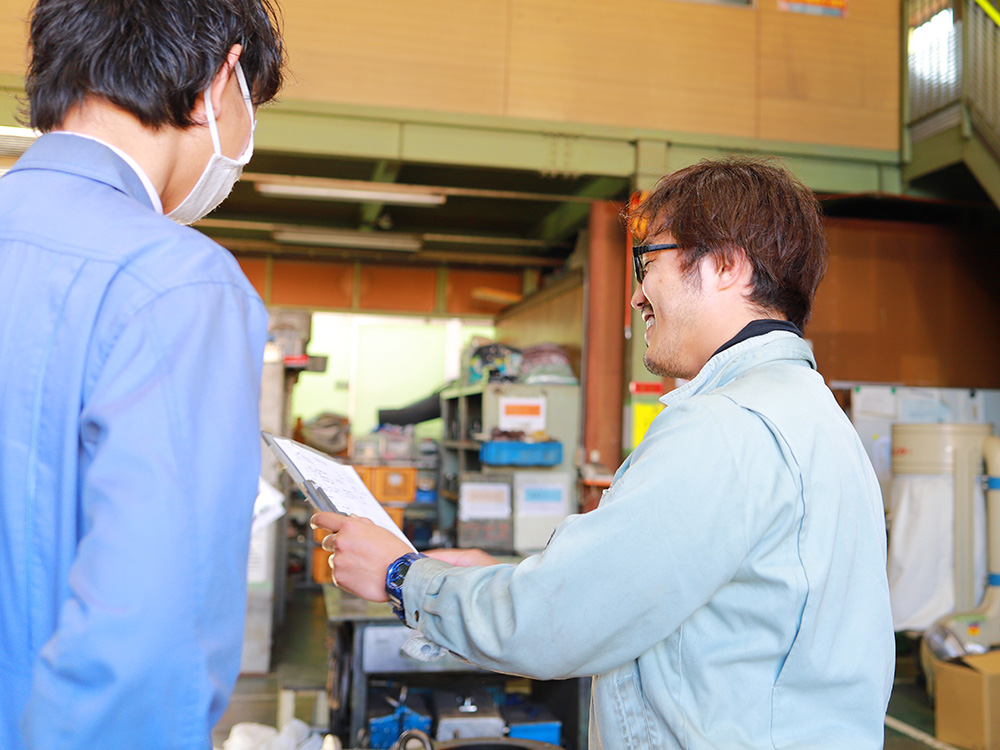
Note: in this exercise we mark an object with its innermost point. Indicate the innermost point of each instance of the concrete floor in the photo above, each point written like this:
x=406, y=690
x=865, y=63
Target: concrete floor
x=910, y=711
x=300, y=641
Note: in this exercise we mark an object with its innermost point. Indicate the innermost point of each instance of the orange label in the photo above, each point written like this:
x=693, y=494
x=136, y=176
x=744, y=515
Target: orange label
x=523, y=410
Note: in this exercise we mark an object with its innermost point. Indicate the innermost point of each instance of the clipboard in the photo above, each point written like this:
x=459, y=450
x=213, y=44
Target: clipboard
x=328, y=484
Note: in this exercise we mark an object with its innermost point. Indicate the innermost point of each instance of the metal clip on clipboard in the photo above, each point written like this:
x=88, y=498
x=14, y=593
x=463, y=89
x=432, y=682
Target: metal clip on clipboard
x=328, y=484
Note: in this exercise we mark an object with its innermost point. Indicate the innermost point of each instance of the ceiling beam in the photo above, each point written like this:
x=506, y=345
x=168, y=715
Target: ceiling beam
x=561, y=223
x=293, y=182
x=424, y=257
x=349, y=240
x=385, y=171
x=547, y=147
x=564, y=148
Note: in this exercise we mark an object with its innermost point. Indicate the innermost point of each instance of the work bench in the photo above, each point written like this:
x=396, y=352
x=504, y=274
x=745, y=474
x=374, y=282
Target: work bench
x=365, y=640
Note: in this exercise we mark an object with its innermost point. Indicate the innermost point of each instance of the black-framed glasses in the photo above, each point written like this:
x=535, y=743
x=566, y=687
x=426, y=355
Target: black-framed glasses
x=639, y=250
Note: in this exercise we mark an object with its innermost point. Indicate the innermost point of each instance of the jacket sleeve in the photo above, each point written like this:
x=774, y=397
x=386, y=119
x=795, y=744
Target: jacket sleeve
x=674, y=528
x=147, y=646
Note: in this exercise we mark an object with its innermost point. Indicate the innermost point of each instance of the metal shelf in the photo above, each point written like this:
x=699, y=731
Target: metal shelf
x=469, y=389
x=462, y=445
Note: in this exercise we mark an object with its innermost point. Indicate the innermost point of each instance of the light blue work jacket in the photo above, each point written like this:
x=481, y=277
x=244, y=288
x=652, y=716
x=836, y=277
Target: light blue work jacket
x=730, y=590
x=130, y=359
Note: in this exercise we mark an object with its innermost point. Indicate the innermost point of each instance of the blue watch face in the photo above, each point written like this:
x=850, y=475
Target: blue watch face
x=398, y=573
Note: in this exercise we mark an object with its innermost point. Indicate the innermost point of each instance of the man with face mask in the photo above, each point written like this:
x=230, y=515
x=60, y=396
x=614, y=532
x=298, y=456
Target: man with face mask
x=130, y=358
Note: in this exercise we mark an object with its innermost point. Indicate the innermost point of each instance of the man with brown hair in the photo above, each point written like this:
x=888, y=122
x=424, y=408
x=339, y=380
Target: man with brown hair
x=730, y=589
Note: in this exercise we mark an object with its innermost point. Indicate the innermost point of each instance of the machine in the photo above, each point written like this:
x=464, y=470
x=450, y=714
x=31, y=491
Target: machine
x=977, y=630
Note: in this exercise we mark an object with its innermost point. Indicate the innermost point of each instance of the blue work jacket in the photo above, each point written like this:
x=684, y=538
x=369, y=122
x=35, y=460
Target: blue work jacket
x=729, y=591
x=130, y=359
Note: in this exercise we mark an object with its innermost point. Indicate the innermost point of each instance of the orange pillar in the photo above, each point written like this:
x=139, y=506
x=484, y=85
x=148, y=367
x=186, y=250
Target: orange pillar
x=604, y=382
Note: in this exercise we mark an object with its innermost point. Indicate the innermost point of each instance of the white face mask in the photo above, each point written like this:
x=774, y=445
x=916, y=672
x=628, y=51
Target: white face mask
x=221, y=172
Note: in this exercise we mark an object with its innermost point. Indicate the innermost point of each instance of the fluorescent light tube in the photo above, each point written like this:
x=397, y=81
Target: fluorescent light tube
x=361, y=240
x=15, y=141
x=353, y=195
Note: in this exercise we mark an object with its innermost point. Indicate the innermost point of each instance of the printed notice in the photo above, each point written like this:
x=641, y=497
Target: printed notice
x=484, y=501
x=522, y=414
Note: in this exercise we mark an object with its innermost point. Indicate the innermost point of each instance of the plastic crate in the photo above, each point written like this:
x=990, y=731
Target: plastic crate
x=508, y=453
x=395, y=484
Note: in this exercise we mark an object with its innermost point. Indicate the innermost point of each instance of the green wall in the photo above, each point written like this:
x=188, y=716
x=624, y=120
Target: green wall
x=380, y=363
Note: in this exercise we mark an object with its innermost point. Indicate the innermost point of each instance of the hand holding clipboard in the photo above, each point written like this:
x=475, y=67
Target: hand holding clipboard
x=329, y=485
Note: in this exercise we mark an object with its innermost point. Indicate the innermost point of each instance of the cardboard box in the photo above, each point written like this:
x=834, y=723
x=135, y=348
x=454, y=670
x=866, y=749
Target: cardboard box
x=967, y=701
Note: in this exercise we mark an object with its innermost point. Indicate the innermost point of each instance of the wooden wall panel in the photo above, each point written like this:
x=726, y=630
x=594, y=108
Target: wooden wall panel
x=397, y=289
x=326, y=285
x=647, y=63
x=460, y=298
x=907, y=303
x=13, y=36
x=662, y=64
x=436, y=54
x=556, y=320
x=311, y=284
x=256, y=273
x=831, y=80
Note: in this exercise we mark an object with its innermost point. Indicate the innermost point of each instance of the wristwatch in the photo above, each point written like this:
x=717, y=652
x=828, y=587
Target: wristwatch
x=394, y=581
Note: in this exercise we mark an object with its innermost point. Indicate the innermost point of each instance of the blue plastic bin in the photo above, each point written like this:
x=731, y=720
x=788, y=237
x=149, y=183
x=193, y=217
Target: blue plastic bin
x=531, y=721
x=510, y=453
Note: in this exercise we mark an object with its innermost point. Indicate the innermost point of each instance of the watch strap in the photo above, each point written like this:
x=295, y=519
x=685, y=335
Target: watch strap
x=394, y=577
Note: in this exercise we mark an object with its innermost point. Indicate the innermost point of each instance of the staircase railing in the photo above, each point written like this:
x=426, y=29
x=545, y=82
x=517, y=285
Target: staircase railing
x=953, y=68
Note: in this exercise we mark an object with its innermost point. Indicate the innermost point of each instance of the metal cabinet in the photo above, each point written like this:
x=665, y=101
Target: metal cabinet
x=470, y=414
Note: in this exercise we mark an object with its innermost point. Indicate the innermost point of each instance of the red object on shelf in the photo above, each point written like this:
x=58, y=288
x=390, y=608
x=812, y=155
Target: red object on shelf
x=296, y=360
x=645, y=387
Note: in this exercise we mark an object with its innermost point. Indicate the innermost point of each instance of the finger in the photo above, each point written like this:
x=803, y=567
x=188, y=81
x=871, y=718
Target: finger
x=331, y=521
x=330, y=542
x=333, y=574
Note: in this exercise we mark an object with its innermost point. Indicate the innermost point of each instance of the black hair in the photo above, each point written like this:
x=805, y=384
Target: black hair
x=152, y=58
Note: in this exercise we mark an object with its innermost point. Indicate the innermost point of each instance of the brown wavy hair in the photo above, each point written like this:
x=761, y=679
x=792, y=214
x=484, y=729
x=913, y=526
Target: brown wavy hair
x=749, y=205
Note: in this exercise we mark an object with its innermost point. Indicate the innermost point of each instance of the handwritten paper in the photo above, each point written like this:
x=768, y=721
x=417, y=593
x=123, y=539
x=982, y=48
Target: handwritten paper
x=340, y=483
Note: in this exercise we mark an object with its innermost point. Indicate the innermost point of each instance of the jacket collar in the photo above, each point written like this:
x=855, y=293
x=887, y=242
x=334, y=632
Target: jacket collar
x=64, y=152
x=730, y=363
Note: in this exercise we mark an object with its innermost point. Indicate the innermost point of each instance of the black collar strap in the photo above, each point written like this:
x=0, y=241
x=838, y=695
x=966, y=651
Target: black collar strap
x=759, y=328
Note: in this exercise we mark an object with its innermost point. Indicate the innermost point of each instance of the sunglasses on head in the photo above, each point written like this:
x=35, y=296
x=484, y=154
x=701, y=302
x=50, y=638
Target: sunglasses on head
x=639, y=250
